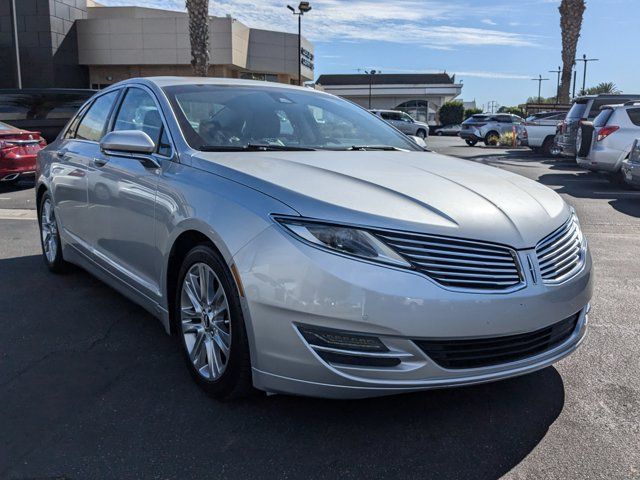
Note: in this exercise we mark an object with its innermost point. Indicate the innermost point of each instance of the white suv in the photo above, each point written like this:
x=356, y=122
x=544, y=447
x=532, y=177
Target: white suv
x=605, y=143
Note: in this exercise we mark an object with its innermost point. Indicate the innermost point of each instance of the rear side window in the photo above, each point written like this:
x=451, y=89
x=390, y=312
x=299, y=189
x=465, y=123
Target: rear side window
x=603, y=117
x=93, y=123
x=634, y=115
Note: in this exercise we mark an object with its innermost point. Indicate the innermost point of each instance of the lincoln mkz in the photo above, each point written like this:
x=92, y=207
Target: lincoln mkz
x=295, y=243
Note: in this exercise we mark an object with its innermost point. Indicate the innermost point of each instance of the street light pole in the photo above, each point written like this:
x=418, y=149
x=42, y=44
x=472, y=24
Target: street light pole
x=371, y=73
x=539, y=80
x=15, y=42
x=584, y=73
x=559, y=71
x=303, y=8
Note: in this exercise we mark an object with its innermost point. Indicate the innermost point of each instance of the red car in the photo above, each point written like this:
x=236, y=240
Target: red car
x=18, y=150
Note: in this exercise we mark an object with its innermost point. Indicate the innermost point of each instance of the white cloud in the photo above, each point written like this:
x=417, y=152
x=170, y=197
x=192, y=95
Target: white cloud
x=488, y=21
x=433, y=24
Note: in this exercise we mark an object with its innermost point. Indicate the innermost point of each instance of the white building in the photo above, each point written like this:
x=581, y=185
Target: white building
x=116, y=43
x=414, y=93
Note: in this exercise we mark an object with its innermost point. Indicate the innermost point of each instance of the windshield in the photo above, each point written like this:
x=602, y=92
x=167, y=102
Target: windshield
x=227, y=117
x=577, y=111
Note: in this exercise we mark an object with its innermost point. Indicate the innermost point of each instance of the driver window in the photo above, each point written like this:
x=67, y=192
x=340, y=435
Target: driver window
x=407, y=118
x=138, y=111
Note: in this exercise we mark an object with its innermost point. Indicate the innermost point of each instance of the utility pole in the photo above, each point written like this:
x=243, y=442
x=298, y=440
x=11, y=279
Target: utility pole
x=559, y=71
x=15, y=42
x=575, y=75
x=539, y=80
x=584, y=73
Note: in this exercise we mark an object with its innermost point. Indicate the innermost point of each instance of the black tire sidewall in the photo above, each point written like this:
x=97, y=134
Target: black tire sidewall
x=233, y=382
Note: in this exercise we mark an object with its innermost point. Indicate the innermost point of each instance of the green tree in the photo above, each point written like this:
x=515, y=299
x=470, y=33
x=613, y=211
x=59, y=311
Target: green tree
x=471, y=111
x=542, y=100
x=513, y=110
x=451, y=113
x=198, y=11
x=603, y=87
x=571, y=13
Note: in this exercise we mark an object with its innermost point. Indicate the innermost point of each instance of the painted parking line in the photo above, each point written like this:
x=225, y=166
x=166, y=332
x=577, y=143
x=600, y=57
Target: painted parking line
x=17, y=214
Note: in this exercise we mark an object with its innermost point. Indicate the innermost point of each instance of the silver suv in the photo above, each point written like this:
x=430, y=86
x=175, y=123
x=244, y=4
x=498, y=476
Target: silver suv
x=584, y=108
x=488, y=128
x=604, y=143
x=403, y=122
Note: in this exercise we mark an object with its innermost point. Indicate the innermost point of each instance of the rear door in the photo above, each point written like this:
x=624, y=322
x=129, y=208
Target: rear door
x=73, y=158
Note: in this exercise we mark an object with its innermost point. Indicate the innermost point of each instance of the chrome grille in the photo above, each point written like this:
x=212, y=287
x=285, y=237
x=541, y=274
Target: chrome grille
x=560, y=254
x=458, y=263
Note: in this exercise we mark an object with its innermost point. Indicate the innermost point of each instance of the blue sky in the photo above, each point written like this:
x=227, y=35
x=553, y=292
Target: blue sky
x=495, y=46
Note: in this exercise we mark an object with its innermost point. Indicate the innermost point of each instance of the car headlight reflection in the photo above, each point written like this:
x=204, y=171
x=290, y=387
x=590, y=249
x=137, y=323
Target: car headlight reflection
x=346, y=240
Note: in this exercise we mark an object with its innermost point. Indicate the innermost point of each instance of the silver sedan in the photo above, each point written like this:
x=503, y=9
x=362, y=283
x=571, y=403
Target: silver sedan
x=294, y=243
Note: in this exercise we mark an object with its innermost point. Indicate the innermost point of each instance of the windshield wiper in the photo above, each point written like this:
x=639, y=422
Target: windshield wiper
x=374, y=147
x=254, y=147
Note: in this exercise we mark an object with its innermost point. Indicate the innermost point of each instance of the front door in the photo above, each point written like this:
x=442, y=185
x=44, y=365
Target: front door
x=122, y=195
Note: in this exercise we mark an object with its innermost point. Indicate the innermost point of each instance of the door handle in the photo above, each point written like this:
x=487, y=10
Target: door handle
x=100, y=162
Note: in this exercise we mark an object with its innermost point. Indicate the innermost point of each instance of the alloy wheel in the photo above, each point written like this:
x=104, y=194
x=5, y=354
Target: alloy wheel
x=205, y=321
x=49, y=231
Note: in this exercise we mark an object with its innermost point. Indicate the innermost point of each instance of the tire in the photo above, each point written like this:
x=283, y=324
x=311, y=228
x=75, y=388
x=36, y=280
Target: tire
x=547, y=146
x=50, y=236
x=421, y=133
x=439, y=134
x=492, y=138
x=535, y=150
x=584, y=137
x=222, y=374
x=471, y=143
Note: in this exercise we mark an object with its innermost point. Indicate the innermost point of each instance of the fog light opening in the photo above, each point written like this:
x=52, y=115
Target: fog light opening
x=321, y=337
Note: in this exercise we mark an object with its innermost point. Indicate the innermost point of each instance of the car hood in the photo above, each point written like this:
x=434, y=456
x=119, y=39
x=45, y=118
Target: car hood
x=412, y=191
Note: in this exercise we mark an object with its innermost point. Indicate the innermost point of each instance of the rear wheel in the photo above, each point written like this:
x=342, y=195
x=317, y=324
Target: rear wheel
x=210, y=325
x=471, y=143
x=439, y=134
x=492, y=138
x=50, y=236
x=548, y=147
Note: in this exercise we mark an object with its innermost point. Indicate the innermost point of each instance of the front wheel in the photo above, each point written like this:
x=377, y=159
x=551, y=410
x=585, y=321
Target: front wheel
x=50, y=236
x=471, y=143
x=210, y=325
x=492, y=139
x=422, y=134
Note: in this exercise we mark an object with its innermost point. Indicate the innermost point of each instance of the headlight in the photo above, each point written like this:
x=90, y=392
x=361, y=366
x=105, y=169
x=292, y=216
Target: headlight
x=345, y=240
x=576, y=221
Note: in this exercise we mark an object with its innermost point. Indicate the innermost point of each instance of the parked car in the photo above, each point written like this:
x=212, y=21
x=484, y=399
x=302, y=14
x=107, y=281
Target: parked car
x=448, y=130
x=604, y=143
x=403, y=122
x=298, y=244
x=585, y=108
x=631, y=166
x=18, y=149
x=44, y=110
x=541, y=131
x=488, y=128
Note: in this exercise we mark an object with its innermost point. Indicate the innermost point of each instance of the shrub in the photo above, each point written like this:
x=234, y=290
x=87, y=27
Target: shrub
x=513, y=110
x=471, y=111
x=451, y=113
x=506, y=139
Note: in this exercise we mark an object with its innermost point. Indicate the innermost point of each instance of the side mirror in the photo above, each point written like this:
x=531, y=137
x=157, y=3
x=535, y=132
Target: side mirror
x=127, y=141
x=419, y=141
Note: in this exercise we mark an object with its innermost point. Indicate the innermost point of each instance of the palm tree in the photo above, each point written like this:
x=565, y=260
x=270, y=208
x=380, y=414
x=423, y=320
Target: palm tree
x=198, y=11
x=571, y=13
x=603, y=87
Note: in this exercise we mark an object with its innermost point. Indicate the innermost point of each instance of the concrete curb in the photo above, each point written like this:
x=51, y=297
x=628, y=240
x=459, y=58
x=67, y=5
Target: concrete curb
x=17, y=214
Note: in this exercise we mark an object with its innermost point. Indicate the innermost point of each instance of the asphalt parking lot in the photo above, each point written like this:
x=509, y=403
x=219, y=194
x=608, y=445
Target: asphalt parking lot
x=91, y=387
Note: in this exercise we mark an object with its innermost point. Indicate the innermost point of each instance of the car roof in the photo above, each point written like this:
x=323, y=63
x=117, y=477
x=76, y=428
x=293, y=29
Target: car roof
x=162, y=82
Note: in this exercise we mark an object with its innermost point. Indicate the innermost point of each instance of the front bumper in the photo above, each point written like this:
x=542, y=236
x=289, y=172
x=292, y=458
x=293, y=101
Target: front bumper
x=288, y=283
